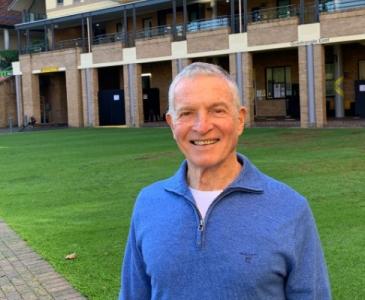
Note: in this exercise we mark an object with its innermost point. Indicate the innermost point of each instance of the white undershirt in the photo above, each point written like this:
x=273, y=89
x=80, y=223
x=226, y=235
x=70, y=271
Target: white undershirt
x=203, y=199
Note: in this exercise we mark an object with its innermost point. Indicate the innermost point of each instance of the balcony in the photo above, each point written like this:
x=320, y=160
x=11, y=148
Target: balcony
x=274, y=13
x=263, y=25
x=328, y=6
x=273, y=25
x=210, y=24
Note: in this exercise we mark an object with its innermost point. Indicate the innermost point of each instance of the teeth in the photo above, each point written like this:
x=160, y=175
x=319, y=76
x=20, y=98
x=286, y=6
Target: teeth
x=204, y=142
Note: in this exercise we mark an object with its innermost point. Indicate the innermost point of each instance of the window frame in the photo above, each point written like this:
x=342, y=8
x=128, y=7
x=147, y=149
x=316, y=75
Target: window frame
x=287, y=92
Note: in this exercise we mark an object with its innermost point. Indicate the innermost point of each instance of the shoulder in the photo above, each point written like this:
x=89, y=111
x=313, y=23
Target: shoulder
x=154, y=189
x=276, y=196
x=272, y=190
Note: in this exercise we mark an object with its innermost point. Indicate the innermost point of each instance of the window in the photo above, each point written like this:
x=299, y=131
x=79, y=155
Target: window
x=59, y=2
x=278, y=82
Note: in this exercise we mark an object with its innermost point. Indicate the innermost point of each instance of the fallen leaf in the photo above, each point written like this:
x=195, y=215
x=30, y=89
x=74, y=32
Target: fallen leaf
x=71, y=256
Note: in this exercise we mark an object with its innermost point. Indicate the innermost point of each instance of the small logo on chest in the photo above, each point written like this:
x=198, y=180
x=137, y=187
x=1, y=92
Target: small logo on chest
x=248, y=257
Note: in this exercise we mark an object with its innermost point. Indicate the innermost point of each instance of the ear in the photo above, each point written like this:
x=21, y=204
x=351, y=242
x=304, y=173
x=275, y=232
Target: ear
x=241, y=119
x=170, y=122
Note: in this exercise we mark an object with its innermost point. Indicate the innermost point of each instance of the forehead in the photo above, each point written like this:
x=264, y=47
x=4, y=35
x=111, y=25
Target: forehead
x=203, y=87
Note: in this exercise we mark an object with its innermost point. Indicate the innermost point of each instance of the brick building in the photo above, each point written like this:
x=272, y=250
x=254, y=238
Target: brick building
x=93, y=63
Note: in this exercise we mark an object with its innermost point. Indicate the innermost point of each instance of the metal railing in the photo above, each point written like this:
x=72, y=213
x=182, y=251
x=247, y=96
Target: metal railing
x=152, y=32
x=208, y=24
x=35, y=47
x=339, y=5
x=279, y=12
x=108, y=38
x=79, y=42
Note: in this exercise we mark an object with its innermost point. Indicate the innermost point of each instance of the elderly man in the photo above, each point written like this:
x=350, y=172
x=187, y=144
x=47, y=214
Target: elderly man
x=219, y=228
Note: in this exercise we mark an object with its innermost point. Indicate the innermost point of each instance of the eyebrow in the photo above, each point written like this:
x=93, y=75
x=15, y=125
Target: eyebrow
x=191, y=107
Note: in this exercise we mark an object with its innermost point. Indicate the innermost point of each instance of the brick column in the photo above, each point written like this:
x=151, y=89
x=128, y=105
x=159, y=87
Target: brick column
x=312, y=86
x=241, y=69
x=90, y=89
x=31, y=97
x=19, y=100
x=133, y=95
x=178, y=64
x=303, y=87
x=74, y=99
x=320, y=85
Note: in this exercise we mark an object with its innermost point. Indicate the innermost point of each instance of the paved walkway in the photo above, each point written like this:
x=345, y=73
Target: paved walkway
x=24, y=275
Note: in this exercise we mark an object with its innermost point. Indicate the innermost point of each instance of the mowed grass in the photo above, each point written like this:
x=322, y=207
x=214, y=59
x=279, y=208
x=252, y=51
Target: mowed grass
x=73, y=190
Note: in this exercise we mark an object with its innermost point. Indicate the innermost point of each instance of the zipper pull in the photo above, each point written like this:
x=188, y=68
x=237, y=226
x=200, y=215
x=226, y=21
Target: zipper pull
x=201, y=225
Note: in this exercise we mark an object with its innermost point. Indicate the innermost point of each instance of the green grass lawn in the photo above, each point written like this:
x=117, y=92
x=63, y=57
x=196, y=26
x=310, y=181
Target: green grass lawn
x=73, y=190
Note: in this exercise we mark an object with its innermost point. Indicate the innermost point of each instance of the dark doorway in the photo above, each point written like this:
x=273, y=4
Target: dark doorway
x=111, y=107
x=53, y=98
x=111, y=97
x=151, y=104
x=109, y=78
x=360, y=98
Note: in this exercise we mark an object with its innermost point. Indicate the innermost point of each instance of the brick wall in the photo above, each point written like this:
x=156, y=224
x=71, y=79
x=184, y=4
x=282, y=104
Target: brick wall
x=7, y=102
x=155, y=47
x=342, y=23
x=280, y=31
x=209, y=40
x=105, y=53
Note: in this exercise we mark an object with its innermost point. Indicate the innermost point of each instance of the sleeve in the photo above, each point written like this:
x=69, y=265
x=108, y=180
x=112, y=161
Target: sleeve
x=135, y=283
x=308, y=277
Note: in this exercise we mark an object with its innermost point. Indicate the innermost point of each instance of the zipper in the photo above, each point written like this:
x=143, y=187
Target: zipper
x=201, y=232
x=203, y=221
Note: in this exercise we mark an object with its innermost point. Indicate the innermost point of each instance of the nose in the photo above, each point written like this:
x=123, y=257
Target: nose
x=202, y=123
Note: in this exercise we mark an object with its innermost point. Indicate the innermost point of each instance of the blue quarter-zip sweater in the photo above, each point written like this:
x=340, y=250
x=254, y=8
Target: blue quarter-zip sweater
x=257, y=241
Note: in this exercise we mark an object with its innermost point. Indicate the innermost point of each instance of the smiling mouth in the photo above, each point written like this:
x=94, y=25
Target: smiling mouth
x=204, y=142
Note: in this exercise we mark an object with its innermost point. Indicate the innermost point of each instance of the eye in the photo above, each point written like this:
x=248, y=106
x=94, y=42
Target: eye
x=185, y=113
x=219, y=111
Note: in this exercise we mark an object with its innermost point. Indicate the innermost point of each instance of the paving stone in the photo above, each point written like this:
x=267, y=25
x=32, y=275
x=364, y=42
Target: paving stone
x=24, y=275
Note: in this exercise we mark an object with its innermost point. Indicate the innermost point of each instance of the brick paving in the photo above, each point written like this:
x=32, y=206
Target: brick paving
x=24, y=275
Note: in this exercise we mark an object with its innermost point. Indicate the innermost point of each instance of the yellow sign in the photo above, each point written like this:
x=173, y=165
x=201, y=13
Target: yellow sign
x=49, y=69
x=338, y=86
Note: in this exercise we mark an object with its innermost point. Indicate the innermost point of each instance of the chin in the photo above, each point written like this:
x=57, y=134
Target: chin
x=203, y=163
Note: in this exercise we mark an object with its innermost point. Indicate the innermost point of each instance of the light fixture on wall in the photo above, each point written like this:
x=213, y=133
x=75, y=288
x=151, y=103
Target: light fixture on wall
x=146, y=75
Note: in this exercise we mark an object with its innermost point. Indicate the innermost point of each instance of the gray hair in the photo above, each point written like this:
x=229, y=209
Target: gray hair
x=200, y=68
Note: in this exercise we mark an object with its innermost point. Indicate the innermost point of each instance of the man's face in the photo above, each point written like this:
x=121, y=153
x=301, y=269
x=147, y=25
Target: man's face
x=207, y=123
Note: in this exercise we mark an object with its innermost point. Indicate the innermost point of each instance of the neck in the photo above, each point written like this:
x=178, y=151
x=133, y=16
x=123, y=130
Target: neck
x=213, y=178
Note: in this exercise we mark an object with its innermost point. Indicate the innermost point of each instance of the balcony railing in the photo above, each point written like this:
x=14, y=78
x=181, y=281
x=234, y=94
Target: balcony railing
x=109, y=38
x=152, y=32
x=210, y=24
x=340, y=5
x=267, y=14
x=80, y=42
x=35, y=47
